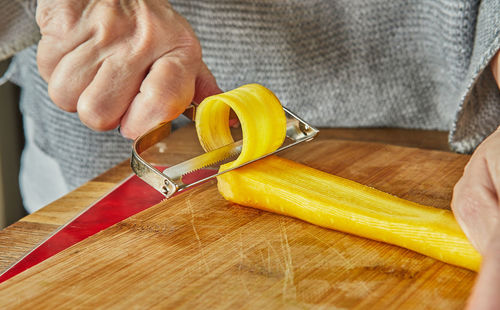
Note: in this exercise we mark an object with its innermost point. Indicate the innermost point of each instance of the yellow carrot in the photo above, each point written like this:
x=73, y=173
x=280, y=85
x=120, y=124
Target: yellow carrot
x=286, y=187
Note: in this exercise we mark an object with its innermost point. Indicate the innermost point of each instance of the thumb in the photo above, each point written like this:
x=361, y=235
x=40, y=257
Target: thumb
x=475, y=205
x=475, y=196
x=485, y=292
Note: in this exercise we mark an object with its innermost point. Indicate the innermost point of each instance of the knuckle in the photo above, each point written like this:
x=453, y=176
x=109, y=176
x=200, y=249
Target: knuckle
x=108, y=27
x=115, y=19
x=63, y=101
x=144, y=41
x=102, y=34
x=139, y=47
x=91, y=117
x=190, y=48
x=183, y=44
x=58, y=19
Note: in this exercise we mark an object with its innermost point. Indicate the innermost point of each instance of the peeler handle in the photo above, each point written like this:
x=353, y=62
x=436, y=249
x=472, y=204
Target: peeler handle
x=144, y=170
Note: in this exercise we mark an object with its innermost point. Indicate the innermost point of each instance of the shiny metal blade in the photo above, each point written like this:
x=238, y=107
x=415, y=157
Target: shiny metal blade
x=205, y=160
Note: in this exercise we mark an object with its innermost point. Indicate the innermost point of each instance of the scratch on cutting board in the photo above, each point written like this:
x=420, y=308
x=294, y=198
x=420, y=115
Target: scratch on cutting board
x=242, y=258
x=268, y=256
x=357, y=289
x=270, y=246
x=262, y=259
x=350, y=264
x=265, y=261
x=200, y=246
x=287, y=257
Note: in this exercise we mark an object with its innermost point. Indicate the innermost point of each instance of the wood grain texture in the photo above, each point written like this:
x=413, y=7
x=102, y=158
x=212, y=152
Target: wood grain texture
x=424, y=139
x=198, y=251
x=17, y=239
x=21, y=237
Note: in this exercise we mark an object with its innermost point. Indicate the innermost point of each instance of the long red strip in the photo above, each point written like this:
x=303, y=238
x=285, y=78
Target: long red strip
x=127, y=199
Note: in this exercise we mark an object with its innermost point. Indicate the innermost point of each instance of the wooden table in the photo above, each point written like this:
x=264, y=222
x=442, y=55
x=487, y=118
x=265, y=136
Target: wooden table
x=23, y=235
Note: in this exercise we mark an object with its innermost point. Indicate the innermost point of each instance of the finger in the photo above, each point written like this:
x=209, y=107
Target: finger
x=52, y=49
x=165, y=93
x=105, y=100
x=72, y=75
x=485, y=292
x=206, y=85
x=474, y=204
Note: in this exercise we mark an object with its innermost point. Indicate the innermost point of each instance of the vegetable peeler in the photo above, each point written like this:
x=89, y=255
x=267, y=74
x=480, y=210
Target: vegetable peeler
x=170, y=181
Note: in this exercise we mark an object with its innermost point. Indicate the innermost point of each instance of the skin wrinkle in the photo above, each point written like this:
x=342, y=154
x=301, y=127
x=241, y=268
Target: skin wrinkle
x=59, y=79
x=45, y=69
x=92, y=107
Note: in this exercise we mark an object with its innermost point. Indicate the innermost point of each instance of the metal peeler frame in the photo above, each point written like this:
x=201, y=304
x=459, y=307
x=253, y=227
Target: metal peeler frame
x=169, y=183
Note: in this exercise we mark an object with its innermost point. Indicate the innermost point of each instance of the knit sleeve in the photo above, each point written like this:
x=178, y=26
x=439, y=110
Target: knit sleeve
x=479, y=113
x=18, y=28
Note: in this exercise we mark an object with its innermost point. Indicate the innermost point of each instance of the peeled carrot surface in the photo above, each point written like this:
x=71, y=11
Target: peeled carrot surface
x=283, y=186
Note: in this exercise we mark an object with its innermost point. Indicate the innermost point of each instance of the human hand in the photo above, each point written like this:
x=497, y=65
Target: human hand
x=476, y=199
x=130, y=63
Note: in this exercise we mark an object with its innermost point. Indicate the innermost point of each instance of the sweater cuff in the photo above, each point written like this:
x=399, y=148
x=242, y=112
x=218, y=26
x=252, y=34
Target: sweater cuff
x=18, y=28
x=479, y=113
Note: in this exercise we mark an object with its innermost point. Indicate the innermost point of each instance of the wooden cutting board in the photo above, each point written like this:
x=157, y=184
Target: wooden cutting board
x=198, y=251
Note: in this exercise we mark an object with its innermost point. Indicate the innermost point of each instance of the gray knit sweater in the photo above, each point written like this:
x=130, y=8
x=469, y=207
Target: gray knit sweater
x=404, y=63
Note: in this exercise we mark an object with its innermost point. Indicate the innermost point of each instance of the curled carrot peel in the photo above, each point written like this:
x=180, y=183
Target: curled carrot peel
x=262, y=134
x=283, y=186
